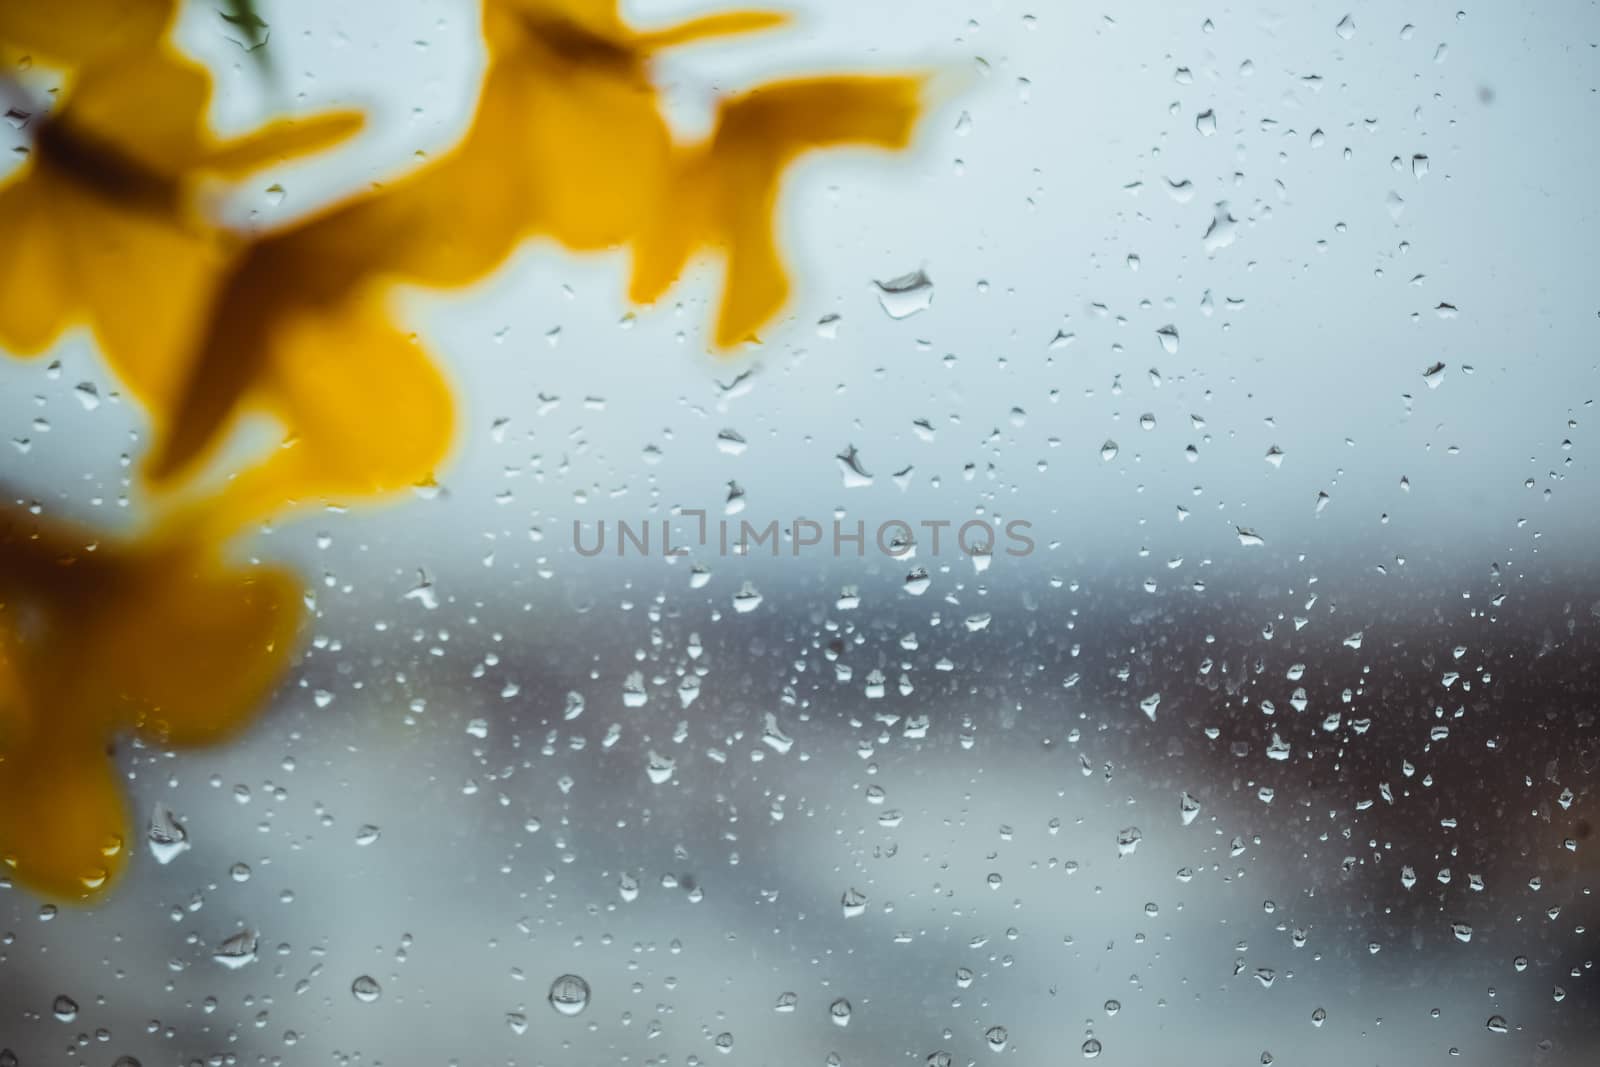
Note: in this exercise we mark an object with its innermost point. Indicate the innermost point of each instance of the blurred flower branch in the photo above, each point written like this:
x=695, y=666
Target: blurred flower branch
x=102, y=226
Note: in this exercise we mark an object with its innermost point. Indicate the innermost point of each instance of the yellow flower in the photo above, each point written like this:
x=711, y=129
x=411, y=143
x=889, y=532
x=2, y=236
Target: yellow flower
x=99, y=224
x=157, y=636
x=604, y=171
x=160, y=636
x=568, y=141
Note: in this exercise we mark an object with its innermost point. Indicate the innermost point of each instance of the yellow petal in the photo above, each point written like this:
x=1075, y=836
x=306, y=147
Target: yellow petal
x=599, y=18
x=724, y=193
x=706, y=27
x=63, y=827
x=787, y=118
x=755, y=284
x=598, y=149
x=363, y=409
x=80, y=31
x=16, y=717
x=144, y=283
x=685, y=217
x=280, y=140
x=148, y=105
x=759, y=134
x=447, y=224
x=228, y=361
x=100, y=637
x=290, y=294
x=36, y=291
x=188, y=648
x=368, y=411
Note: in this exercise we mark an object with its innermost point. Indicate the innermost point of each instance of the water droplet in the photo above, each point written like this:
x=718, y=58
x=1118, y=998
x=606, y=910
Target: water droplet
x=634, y=694
x=688, y=690
x=1168, y=336
x=1128, y=839
x=1188, y=808
x=855, y=475
x=773, y=736
x=1434, y=375
x=747, y=599
x=1346, y=27
x=997, y=1037
x=786, y=1003
x=1149, y=705
x=574, y=706
x=839, y=1012
x=1206, y=122
x=423, y=592
x=628, y=888
x=659, y=768
x=167, y=836
x=854, y=902
x=569, y=994
x=65, y=1008
x=367, y=834
x=1222, y=230
x=1108, y=451
x=1091, y=1048
x=237, y=950
x=906, y=295
x=366, y=989
x=1497, y=1024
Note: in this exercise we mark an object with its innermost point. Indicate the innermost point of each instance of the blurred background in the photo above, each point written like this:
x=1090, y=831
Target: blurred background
x=1277, y=325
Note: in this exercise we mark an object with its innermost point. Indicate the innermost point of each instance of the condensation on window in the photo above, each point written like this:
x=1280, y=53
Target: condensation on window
x=1129, y=594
